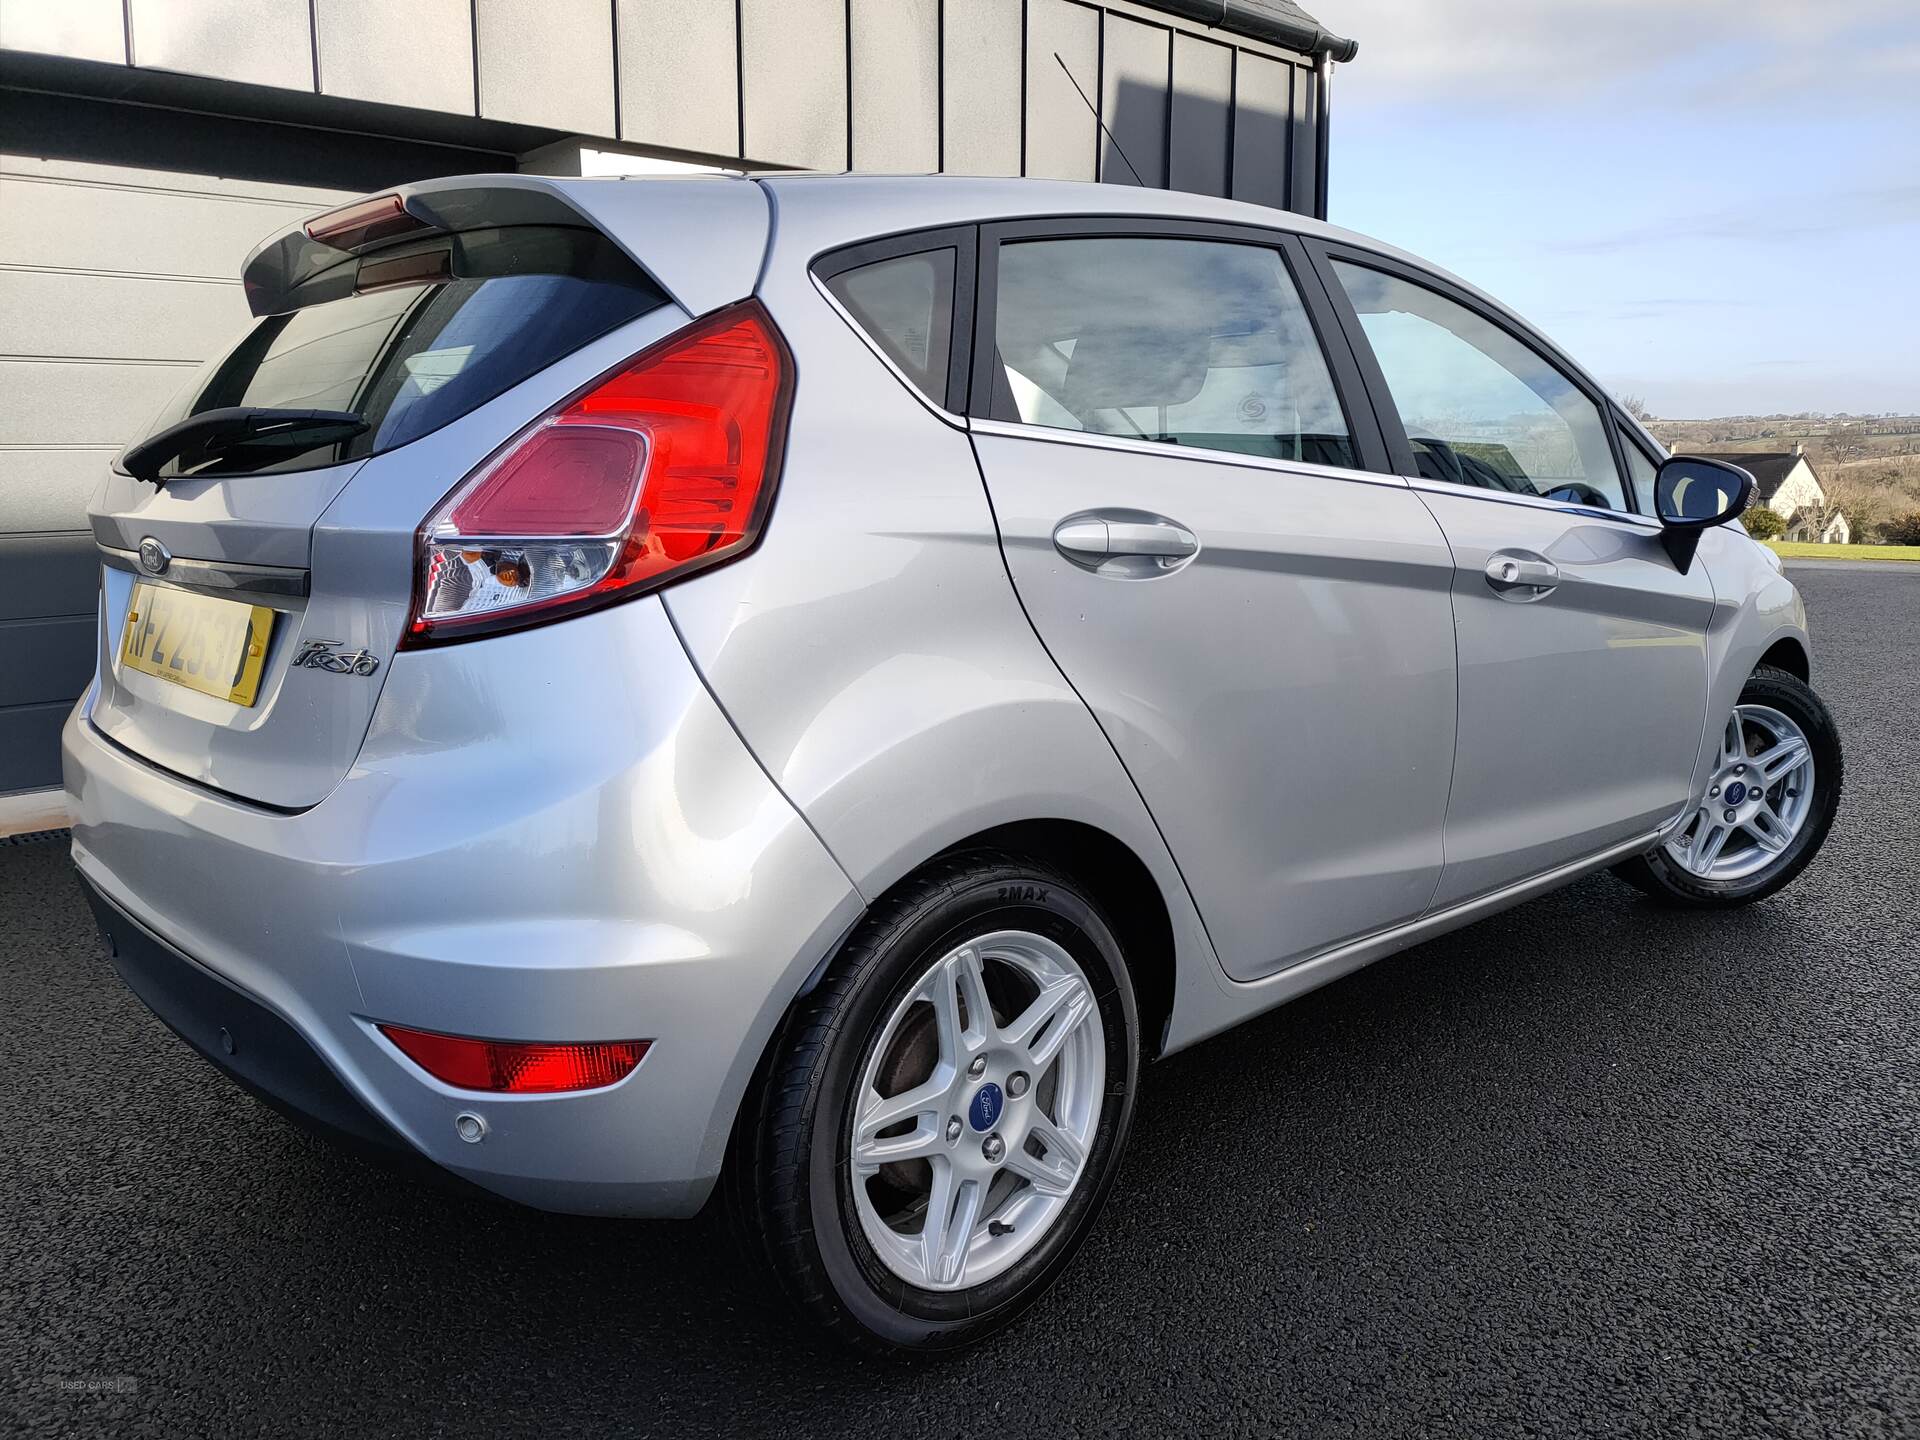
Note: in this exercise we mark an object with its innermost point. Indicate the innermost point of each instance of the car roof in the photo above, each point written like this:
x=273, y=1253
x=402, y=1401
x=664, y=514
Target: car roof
x=813, y=213
x=970, y=199
x=816, y=213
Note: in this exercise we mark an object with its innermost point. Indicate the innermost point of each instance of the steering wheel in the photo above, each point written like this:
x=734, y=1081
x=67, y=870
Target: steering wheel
x=1578, y=492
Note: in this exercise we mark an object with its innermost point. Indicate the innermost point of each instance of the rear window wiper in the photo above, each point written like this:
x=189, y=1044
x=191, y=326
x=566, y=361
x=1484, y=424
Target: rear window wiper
x=211, y=433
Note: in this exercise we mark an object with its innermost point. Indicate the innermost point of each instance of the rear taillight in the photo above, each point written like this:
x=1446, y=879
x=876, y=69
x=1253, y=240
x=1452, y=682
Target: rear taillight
x=660, y=469
x=516, y=1067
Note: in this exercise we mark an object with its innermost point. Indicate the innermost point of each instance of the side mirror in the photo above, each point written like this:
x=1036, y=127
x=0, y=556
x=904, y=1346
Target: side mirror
x=1689, y=495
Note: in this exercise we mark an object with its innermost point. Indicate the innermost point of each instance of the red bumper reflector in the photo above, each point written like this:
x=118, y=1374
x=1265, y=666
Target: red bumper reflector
x=517, y=1067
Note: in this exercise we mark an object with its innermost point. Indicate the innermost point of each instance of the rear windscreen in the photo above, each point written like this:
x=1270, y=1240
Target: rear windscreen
x=431, y=330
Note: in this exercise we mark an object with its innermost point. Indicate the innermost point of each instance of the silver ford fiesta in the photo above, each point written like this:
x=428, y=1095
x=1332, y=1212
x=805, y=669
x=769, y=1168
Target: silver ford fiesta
x=610, y=686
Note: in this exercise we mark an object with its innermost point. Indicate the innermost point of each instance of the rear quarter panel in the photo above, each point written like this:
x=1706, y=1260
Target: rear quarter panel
x=872, y=651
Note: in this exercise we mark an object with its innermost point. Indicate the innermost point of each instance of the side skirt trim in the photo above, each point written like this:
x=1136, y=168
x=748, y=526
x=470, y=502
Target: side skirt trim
x=1246, y=999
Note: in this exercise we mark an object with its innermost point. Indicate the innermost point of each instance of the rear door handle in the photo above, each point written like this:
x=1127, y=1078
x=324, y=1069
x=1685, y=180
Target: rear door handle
x=1519, y=570
x=1091, y=538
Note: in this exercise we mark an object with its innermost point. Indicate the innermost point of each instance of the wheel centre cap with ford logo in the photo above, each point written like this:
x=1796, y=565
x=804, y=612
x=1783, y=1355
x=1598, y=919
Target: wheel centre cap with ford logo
x=1736, y=792
x=987, y=1104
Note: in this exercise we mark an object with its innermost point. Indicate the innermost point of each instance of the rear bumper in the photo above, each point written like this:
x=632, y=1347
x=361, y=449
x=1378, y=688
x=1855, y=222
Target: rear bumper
x=245, y=1040
x=547, y=836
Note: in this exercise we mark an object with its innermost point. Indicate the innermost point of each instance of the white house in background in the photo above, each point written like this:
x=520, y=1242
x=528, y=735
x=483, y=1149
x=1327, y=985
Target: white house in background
x=1789, y=488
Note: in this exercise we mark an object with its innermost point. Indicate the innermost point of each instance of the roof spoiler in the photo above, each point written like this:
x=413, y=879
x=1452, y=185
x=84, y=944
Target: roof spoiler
x=290, y=271
x=710, y=259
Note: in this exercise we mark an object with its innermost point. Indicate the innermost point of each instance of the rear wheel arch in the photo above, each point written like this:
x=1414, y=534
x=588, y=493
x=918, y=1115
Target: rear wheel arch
x=1115, y=878
x=794, y=1194
x=1121, y=884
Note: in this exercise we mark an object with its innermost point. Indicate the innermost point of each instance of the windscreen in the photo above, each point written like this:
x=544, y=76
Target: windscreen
x=429, y=331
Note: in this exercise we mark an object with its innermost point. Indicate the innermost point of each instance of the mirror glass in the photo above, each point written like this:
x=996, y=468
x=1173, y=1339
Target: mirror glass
x=1700, y=492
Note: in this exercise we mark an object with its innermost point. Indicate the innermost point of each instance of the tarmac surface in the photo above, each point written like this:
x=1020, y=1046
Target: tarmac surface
x=1589, y=1167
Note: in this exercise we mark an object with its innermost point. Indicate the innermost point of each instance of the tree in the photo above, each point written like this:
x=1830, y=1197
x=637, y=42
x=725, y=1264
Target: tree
x=1904, y=531
x=1847, y=441
x=1762, y=523
x=1636, y=407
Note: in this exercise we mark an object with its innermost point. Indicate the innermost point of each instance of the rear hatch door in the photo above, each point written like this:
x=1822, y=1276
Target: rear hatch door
x=289, y=571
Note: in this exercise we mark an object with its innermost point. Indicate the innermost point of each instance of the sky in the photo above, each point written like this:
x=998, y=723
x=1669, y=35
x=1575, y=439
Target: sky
x=1713, y=204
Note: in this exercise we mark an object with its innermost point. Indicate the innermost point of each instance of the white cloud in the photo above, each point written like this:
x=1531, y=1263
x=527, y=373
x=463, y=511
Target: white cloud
x=1500, y=52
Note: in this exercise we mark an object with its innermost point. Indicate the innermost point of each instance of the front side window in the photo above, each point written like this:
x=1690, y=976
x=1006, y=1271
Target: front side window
x=1641, y=469
x=1479, y=407
x=1195, y=343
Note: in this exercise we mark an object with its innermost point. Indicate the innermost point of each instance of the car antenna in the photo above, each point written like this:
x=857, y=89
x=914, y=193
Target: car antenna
x=1097, y=120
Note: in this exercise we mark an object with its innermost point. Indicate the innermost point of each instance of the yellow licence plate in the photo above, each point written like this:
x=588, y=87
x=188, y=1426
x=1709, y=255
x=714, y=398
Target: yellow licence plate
x=215, y=646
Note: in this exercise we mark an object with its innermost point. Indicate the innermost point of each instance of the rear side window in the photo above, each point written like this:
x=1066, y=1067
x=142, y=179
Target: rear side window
x=1183, y=342
x=905, y=304
x=432, y=330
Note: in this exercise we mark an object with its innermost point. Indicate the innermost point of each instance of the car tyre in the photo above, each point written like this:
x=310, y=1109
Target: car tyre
x=794, y=1175
x=1662, y=874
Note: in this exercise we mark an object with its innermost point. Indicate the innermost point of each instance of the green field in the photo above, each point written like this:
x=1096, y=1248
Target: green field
x=1797, y=550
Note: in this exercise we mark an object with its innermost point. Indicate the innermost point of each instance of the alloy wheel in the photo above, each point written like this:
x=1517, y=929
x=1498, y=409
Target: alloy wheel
x=1756, y=803
x=976, y=1110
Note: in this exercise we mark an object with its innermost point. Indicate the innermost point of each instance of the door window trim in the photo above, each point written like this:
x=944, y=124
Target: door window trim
x=1322, y=254
x=1100, y=440
x=1362, y=425
x=964, y=241
x=1631, y=438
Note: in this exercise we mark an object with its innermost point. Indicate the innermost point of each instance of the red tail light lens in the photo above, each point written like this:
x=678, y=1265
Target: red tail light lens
x=662, y=468
x=517, y=1068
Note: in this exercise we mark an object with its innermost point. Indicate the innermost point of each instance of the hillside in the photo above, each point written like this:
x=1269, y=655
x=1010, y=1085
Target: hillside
x=1870, y=466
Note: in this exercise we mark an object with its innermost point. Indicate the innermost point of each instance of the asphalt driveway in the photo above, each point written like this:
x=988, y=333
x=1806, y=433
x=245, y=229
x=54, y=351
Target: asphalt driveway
x=1585, y=1168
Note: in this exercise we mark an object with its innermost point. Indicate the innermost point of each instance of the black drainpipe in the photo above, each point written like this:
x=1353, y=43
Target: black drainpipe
x=1323, y=84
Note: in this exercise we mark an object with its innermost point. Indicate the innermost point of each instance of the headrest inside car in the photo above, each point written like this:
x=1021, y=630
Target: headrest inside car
x=1119, y=366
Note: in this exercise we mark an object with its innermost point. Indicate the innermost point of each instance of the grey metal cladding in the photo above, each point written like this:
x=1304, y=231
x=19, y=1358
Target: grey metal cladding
x=1306, y=141
x=1262, y=127
x=46, y=649
x=896, y=85
x=418, y=54
x=30, y=746
x=259, y=42
x=83, y=29
x=130, y=316
x=1062, y=129
x=981, y=53
x=1135, y=60
x=680, y=74
x=48, y=576
x=793, y=65
x=46, y=662
x=546, y=62
x=44, y=487
x=1201, y=123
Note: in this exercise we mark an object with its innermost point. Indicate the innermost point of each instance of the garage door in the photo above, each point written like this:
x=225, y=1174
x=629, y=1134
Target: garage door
x=114, y=284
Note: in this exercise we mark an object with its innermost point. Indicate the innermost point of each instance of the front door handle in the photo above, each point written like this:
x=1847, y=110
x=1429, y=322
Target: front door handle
x=1158, y=537
x=1091, y=538
x=1510, y=571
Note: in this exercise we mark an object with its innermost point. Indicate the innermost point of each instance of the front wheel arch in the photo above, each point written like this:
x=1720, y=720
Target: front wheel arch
x=1666, y=879
x=1790, y=655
